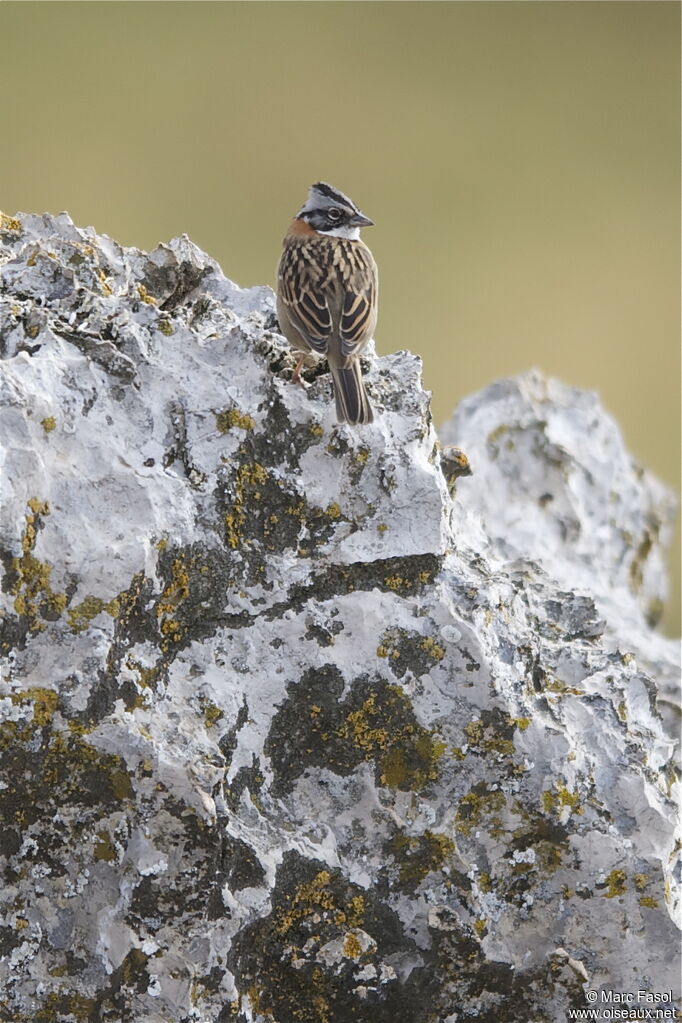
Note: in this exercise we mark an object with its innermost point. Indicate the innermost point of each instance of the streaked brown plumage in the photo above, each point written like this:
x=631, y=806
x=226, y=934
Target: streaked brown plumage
x=327, y=294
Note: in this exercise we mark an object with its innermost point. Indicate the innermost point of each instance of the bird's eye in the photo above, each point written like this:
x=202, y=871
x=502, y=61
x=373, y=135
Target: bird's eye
x=334, y=213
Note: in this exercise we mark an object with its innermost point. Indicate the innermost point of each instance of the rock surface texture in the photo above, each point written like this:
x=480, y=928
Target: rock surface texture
x=289, y=733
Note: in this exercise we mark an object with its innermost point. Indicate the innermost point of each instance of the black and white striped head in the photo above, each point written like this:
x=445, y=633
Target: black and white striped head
x=329, y=211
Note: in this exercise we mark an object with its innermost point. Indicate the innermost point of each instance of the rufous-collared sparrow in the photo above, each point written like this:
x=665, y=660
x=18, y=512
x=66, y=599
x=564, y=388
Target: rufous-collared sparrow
x=327, y=286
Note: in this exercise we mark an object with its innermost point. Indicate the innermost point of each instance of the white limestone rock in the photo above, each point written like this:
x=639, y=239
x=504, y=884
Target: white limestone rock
x=555, y=484
x=288, y=733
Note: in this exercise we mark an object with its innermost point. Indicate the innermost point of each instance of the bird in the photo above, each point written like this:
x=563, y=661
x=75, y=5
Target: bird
x=327, y=288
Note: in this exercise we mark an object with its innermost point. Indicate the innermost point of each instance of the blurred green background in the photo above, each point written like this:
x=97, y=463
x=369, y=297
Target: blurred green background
x=521, y=161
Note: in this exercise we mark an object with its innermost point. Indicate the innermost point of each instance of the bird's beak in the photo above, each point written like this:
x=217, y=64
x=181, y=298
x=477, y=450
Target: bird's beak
x=360, y=220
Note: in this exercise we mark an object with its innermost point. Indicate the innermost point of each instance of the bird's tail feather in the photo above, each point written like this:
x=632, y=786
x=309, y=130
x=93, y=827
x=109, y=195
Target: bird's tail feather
x=352, y=403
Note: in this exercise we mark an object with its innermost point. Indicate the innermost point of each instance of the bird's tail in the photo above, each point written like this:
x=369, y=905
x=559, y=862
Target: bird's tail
x=352, y=403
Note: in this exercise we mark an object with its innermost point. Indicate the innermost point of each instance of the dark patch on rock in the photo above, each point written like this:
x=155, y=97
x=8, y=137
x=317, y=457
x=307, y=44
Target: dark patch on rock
x=178, y=454
x=58, y=789
x=192, y=890
x=246, y=778
x=264, y=512
x=277, y=962
x=374, y=724
x=493, y=732
x=10, y=938
x=281, y=442
x=173, y=285
x=415, y=574
x=194, y=602
x=237, y=866
x=324, y=629
x=575, y=615
x=227, y=743
x=56, y=768
x=14, y=632
x=456, y=974
x=10, y=841
x=414, y=857
x=101, y=350
x=409, y=651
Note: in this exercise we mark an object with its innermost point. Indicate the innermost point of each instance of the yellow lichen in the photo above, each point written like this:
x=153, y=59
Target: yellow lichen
x=175, y=592
x=498, y=432
x=230, y=418
x=521, y=867
x=561, y=689
x=145, y=296
x=59, y=1004
x=333, y=510
x=356, y=910
x=212, y=714
x=106, y=288
x=548, y=801
x=488, y=737
x=649, y=901
x=78, y=728
x=382, y=728
x=480, y=926
x=433, y=649
x=80, y=616
x=359, y=730
x=9, y=223
x=315, y=899
x=247, y=476
x=166, y=327
x=38, y=508
x=66, y=763
x=48, y=424
x=616, y=883
x=44, y=703
x=146, y=677
x=352, y=948
x=308, y=898
x=420, y=855
x=477, y=805
x=104, y=848
x=562, y=796
x=35, y=599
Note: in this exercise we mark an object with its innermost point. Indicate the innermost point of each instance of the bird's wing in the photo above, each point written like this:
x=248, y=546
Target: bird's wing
x=358, y=311
x=305, y=301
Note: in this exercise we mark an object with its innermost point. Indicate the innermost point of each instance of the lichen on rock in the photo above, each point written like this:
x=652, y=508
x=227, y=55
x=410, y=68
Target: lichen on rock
x=297, y=722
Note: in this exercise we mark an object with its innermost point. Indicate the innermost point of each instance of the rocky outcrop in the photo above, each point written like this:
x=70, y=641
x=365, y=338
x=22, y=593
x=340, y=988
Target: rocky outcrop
x=295, y=725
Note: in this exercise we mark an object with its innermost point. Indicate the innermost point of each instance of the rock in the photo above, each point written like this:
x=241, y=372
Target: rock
x=555, y=484
x=289, y=733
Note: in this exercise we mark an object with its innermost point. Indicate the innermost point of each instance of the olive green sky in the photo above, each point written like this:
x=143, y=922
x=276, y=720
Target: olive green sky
x=521, y=161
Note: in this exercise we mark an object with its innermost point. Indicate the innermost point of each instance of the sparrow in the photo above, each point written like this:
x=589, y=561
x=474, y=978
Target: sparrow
x=327, y=286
